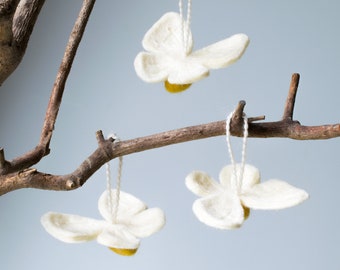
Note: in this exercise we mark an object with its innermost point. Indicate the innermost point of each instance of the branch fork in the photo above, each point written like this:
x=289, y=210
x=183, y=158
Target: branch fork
x=236, y=124
x=109, y=149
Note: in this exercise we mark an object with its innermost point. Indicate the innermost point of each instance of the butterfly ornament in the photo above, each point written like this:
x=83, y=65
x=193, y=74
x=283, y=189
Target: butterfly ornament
x=126, y=219
x=226, y=204
x=121, y=234
x=169, y=55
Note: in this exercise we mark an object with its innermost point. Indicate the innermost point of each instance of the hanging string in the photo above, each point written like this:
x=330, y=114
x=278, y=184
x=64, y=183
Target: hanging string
x=185, y=25
x=180, y=5
x=237, y=181
x=244, y=146
x=109, y=189
x=113, y=208
x=234, y=181
x=119, y=176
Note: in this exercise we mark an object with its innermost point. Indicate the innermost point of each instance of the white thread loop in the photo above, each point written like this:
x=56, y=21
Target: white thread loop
x=237, y=181
x=185, y=23
x=114, y=209
x=118, y=184
x=108, y=188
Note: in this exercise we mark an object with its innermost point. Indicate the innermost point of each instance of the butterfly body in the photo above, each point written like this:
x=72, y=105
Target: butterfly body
x=124, y=251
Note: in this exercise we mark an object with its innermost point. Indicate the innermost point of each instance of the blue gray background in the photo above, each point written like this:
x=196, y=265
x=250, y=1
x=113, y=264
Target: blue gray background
x=103, y=92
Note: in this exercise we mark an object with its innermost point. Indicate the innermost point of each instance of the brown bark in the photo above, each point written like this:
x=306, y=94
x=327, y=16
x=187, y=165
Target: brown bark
x=108, y=149
x=17, y=19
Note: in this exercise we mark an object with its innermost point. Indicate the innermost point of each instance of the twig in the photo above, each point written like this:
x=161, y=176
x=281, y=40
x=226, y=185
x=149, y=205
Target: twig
x=2, y=158
x=108, y=149
x=42, y=149
x=290, y=102
x=64, y=70
x=17, y=18
x=24, y=19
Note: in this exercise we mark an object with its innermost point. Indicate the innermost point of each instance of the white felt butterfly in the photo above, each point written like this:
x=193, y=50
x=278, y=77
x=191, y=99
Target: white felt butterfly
x=226, y=204
x=169, y=57
x=134, y=221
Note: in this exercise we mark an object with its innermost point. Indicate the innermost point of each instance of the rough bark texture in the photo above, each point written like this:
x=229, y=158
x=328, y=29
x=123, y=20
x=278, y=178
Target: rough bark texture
x=17, y=19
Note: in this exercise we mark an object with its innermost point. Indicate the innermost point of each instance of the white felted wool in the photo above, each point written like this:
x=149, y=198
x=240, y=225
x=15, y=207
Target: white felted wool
x=118, y=236
x=223, y=206
x=201, y=184
x=147, y=222
x=157, y=67
x=152, y=68
x=228, y=205
x=169, y=55
x=222, y=211
x=273, y=194
x=71, y=228
x=132, y=222
x=129, y=205
x=223, y=53
x=251, y=175
x=186, y=71
x=165, y=36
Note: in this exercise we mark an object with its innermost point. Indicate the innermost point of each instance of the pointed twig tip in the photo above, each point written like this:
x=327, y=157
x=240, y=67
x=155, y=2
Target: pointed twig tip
x=2, y=158
x=239, y=109
x=100, y=136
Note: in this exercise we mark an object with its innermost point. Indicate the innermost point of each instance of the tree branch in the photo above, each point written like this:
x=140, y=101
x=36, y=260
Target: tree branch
x=290, y=101
x=108, y=149
x=24, y=19
x=42, y=149
x=17, y=19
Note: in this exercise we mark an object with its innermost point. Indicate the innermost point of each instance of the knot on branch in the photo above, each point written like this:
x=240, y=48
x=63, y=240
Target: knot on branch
x=236, y=122
x=8, y=7
x=106, y=145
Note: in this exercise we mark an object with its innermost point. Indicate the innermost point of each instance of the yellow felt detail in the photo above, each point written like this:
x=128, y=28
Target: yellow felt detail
x=175, y=88
x=246, y=212
x=124, y=251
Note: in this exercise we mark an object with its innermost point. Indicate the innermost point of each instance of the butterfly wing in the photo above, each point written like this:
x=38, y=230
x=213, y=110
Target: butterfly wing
x=166, y=35
x=223, y=53
x=152, y=67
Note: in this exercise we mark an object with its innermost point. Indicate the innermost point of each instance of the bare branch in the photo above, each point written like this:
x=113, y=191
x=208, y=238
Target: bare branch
x=24, y=19
x=8, y=7
x=17, y=19
x=64, y=70
x=42, y=149
x=108, y=149
x=290, y=102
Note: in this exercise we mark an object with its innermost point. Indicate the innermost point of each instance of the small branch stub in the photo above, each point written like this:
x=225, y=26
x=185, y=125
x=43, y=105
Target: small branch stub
x=290, y=101
x=70, y=184
x=2, y=158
